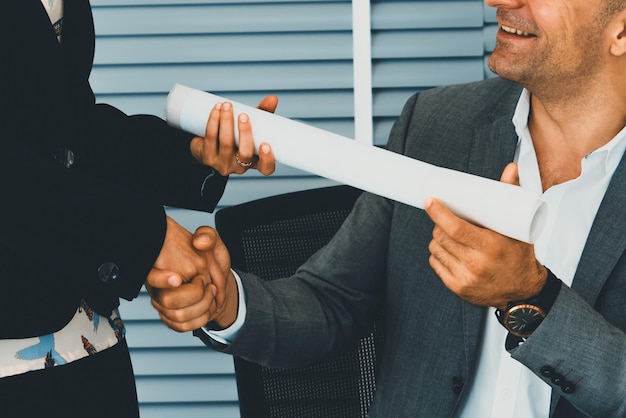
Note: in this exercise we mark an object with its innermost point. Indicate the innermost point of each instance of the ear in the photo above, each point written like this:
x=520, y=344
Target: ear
x=617, y=32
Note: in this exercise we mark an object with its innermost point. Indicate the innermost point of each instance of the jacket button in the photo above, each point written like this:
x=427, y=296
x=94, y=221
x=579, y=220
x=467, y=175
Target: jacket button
x=108, y=272
x=568, y=387
x=557, y=379
x=546, y=371
x=65, y=157
x=457, y=384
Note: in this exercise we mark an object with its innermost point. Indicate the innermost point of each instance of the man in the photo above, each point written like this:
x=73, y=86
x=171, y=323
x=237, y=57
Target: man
x=556, y=347
x=83, y=188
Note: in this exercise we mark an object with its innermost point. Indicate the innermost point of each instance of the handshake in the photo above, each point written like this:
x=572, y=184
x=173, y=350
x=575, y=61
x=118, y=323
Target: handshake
x=191, y=283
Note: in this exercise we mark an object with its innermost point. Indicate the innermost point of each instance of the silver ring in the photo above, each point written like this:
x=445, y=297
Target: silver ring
x=241, y=163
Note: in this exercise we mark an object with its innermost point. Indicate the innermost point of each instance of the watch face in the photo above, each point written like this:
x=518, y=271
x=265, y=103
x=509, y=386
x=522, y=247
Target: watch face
x=523, y=319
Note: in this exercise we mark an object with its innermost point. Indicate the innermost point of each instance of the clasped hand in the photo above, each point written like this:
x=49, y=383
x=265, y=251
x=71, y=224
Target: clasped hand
x=201, y=289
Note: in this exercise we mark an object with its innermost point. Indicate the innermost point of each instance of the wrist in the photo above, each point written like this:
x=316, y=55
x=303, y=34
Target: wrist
x=228, y=312
x=522, y=317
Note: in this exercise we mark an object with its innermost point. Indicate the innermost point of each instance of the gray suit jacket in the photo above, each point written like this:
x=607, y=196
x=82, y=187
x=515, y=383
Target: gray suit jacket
x=379, y=258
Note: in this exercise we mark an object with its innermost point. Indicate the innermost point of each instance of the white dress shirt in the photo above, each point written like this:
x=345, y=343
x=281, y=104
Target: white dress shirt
x=503, y=387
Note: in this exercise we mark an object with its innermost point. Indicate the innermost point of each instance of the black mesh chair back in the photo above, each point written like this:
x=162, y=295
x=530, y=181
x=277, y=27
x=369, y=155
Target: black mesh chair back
x=271, y=237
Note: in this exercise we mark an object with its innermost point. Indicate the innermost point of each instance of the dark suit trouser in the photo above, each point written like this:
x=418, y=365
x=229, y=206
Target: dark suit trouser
x=102, y=385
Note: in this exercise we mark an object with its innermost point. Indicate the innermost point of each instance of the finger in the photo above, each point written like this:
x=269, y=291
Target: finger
x=457, y=230
x=443, y=217
x=213, y=124
x=207, y=241
x=189, y=323
x=441, y=270
x=510, y=174
x=268, y=103
x=267, y=163
x=193, y=310
x=446, y=251
x=437, y=254
x=186, y=295
x=227, y=129
x=220, y=277
x=204, y=148
x=245, y=150
x=163, y=279
x=193, y=316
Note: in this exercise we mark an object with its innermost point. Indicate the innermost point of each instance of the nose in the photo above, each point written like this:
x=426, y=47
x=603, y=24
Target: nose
x=504, y=4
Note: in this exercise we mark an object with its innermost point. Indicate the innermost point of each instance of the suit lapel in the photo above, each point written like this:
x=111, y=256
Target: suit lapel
x=606, y=242
x=494, y=146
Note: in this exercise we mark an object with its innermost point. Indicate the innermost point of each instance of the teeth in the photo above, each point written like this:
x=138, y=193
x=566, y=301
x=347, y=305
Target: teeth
x=515, y=31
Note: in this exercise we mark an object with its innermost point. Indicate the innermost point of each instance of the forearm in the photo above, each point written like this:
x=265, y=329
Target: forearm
x=328, y=304
x=143, y=153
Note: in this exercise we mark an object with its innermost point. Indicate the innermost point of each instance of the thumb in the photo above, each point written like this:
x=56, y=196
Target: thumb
x=269, y=103
x=204, y=238
x=510, y=174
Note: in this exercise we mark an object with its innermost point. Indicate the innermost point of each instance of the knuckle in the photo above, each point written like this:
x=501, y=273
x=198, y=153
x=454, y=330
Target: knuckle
x=475, y=268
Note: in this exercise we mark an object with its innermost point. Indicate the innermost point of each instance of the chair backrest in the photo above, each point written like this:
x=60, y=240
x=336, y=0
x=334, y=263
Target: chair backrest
x=272, y=237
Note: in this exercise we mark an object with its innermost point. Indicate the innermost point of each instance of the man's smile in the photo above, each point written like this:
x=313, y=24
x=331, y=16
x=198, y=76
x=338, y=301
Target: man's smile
x=514, y=31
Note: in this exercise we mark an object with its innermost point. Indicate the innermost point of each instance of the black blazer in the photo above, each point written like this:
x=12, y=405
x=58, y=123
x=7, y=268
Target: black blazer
x=64, y=229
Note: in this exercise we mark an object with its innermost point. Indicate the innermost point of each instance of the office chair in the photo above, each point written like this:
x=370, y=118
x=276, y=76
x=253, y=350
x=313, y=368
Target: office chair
x=271, y=237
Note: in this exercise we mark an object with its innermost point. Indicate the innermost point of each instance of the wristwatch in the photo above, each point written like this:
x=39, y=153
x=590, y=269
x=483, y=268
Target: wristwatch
x=522, y=317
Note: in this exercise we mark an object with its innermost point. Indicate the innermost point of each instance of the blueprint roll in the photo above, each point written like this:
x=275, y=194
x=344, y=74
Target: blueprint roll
x=510, y=210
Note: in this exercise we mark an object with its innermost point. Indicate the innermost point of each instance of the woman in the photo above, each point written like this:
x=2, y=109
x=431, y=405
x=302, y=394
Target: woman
x=84, y=189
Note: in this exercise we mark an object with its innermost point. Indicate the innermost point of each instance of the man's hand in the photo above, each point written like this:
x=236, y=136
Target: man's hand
x=218, y=149
x=479, y=265
x=194, y=298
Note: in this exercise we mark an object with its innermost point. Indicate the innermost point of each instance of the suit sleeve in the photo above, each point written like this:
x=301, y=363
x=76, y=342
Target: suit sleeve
x=327, y=305
x=333, y=298
x=578, y=343
x=145, y=154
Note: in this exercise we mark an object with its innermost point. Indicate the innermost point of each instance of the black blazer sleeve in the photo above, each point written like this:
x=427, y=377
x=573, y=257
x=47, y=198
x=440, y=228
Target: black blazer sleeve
x=66, y=225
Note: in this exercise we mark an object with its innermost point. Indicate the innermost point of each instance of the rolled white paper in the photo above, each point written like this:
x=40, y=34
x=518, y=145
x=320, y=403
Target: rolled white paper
x=510, y=210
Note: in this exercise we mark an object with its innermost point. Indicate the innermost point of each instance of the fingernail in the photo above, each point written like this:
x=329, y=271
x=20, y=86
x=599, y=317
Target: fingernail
x=265, y=148
x=218, y=105
x=243, y=118
x=226, y=106
x=428, y=202
x=173, y=281
x=202, y=239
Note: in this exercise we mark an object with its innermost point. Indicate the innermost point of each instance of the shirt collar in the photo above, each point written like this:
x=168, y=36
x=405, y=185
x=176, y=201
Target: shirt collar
x=611, y=153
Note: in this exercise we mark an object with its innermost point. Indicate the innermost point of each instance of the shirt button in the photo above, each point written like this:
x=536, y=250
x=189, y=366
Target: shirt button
x=108, y=272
